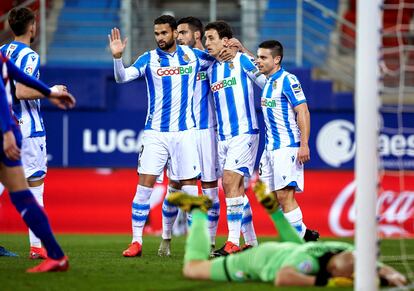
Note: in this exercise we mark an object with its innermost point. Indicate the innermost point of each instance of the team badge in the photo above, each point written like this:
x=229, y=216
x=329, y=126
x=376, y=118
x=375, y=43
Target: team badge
x=186, y=58
x=231, y=66
x=274, y=84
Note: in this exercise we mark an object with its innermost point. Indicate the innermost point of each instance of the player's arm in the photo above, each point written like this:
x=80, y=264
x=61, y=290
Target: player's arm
x=294, y=93
x=63, y=98
x=10, y=147
x=117, y=46
x=247, y=64
x=289, y=276
x=235, y=43
x=204, y=58
x=391, y=277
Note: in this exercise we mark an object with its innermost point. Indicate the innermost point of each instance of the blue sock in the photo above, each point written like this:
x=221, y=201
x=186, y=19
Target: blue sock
x=36, y=220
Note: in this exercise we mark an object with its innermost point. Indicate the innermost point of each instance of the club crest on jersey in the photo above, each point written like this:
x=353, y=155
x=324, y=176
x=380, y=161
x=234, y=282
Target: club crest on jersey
x=231, y=66
x=223, y=84
x=268, y=102
x=274, y=84
x=186, y=58
x=170, y=71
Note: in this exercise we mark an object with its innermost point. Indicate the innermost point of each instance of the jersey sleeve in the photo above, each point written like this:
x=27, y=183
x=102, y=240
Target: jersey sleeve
x=5, y=117
x=302, y=262
x=293, y=90
x=31, y=65
x=248, y=66
x=16, y=74
x=204, y=58
x=136, y=70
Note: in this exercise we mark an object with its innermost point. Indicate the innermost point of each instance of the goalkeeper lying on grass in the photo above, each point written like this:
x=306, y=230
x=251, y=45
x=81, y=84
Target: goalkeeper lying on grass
x=290, y=262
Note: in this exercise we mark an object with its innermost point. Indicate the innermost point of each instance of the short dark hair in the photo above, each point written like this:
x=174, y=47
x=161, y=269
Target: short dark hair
x=20, y=19
x=275, y=46
x=223, y=28
x=195, y=24
x=166, y=19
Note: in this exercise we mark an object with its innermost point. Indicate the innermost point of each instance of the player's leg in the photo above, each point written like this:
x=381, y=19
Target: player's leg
x=34, y=160
x=151, y=161
x=169, y=215
x=34, y=217
x=288, y=180
x=247, y=227
x=207, y=152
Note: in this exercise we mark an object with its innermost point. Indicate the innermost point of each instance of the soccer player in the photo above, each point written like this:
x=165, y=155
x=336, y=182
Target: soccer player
x=287, y=122
x=170, y=72
x=11, y=171
x=287, y=263
x=26, y=108
x=190, y=33
x=238, y=138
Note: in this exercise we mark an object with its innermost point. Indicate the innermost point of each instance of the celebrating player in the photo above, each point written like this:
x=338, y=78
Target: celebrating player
x=26, y=108
x=11, y=171
x=170, y=72
x=287, y=122
x=232, y=87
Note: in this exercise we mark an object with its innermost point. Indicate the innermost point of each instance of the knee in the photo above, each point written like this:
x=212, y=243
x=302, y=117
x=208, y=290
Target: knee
x=285, y=198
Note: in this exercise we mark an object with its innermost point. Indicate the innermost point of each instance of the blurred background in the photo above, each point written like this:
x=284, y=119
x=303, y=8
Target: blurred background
x=93, y=148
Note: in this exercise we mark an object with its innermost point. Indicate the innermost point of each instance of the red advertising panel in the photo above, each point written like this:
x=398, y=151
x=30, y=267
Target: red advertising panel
x=91, y=201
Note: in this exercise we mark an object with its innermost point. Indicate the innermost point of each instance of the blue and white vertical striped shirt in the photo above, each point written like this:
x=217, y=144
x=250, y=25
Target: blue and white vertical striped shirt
x=232, y=87
x=27, y=112
x=171, y=80
x=281, y=94
x=203, y=107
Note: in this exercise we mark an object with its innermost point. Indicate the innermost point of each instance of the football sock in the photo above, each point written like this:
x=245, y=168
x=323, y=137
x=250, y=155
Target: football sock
x=284, y=228
x=247, y=227
x=234, y=218
x=38, y=195
x=140, y=210
x=295, y=219
x=193, y=191
x=36, y=220
x=213, y=213
x=169, y=214
x=197, y=246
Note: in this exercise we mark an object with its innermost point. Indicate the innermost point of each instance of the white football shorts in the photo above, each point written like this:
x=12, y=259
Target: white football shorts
x=280, y=168
x=181, y=147
x=34, y=157
x=238, y=154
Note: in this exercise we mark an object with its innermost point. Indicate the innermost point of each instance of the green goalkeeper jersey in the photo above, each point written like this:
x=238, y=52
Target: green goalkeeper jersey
x=262, y=263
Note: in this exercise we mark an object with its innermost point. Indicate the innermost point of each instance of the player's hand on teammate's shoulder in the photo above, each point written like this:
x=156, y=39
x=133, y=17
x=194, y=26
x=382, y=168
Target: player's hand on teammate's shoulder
x=116, y=44
x=61, y=97
x=11, y=150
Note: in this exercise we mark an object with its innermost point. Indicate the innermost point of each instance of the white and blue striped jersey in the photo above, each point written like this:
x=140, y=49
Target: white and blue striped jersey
x=171, y=80
x=281, y=94
x=203, y=107
x=27, y=112
x=232, y=87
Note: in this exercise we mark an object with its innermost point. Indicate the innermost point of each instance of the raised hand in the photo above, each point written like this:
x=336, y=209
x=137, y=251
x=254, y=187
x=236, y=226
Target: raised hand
x=116, y=44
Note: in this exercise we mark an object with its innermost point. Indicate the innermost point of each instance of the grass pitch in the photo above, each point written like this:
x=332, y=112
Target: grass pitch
x=96, y=263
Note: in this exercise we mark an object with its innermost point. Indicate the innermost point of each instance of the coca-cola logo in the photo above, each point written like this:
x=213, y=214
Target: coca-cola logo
x=394, y=210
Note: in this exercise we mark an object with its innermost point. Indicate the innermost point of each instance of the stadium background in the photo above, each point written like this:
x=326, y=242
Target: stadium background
x=93, y=148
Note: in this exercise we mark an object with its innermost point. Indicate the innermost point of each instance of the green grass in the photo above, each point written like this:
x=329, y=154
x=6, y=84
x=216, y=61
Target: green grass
x=96, y=263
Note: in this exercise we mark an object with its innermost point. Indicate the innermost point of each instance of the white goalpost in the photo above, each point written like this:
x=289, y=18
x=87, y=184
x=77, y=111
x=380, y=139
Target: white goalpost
x=366, y=119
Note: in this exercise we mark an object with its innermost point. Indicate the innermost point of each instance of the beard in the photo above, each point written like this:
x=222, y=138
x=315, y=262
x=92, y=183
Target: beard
x=32, y=39
x=167, y=45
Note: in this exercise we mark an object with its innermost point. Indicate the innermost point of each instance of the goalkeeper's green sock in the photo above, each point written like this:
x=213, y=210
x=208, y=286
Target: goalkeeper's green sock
x=286, y=231
x=197, y=246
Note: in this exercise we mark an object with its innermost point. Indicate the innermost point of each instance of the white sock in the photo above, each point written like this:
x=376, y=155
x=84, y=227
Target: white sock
x=213, y=213
x=169, y=215
x=234, y=218
x=140, y=210
x=247, y=227
x=192, y=190
x=295, y=219
x=37, y=192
